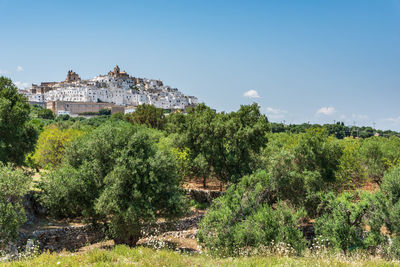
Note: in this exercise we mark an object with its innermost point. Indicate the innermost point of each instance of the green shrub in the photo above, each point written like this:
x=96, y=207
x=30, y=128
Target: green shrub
x=302, y=166
x=68, y=192
x=14, y=184
x=351, y=172
x=372, y=156
x=342, y=221
x=246, y=218
x=386, y=212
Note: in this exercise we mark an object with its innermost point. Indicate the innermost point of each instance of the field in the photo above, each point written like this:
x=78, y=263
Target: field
x=141, y=256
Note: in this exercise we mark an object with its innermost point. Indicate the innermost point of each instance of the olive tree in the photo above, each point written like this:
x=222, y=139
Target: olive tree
x=221, y=145
x=119, y=174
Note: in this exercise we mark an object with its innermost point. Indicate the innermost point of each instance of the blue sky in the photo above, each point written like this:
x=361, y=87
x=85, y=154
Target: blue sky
x=309, y=60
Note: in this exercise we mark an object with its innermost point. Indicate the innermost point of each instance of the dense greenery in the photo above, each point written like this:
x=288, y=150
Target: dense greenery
x=249, y=217
x=221, y=145
x=14, y=184
x=51, y=145
x=117, y=170
x=337, y=129
x=17, y=134
x=149, y=115
x=127, y=170
x=302, y=166
x=341, y=222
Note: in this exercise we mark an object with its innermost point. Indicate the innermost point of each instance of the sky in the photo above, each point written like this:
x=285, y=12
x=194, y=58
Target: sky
x=301, y=61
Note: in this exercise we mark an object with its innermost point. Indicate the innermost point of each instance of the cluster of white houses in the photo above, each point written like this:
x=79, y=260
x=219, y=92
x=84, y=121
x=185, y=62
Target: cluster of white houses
x=116, y=90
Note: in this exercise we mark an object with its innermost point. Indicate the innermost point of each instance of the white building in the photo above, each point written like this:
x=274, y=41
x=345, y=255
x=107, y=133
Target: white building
x=116, y=87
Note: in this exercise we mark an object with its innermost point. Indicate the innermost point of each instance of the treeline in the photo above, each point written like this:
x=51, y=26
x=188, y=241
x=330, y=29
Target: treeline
x=124, y=171
x=338, y=129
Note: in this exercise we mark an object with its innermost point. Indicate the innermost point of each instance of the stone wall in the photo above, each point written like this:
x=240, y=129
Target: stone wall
x=70, y=238
x=179, y=225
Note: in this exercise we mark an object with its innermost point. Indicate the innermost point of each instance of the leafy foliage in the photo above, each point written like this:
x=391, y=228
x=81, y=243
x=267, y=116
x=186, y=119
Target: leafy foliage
x=221, y=145
x=342, y=220
x=148, y=115
x=117, y=172
x=17, y=134
x=246, y=218
x=51, y=145
x=302, y=166
x=46, y=114
x=14, y=184
x=351, y=173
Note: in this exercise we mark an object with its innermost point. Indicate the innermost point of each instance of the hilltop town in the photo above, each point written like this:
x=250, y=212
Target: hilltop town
x=117, y=91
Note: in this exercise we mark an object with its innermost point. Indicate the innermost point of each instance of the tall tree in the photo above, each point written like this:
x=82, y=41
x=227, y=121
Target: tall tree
x=221, y=145
x=17, y=135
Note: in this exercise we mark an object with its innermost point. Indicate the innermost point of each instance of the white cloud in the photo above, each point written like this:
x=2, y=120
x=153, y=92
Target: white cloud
x=20, y=69
x=326, y=111
x=251, y=94
x=21, y=85
x=275, y=113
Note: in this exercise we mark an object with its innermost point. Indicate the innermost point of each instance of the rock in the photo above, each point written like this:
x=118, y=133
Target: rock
x=30, y=245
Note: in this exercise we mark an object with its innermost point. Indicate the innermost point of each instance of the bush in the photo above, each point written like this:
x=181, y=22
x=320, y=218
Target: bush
x=342, y=221
x=302, y=166
x=387, y=211
x=351, y=173
x=372, y=156
x=70, y=192
x=116, y=173
x=14, y=184
x=246, y=218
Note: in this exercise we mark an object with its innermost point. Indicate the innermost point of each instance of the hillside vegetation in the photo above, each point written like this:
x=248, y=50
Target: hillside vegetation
x=122, y=172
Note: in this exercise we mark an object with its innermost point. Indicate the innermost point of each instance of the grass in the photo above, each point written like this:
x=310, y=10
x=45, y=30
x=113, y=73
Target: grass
x=141, y=256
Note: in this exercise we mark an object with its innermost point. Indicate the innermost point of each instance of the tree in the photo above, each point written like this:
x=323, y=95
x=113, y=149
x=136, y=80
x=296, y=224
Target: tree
x=372, y=156
x=51, y=145
x=117, y=172
x=142, y=186
x=302, y=166
x=241, y=135
x=17, y=135
x=46, y=114
x=222, y=145
x=14, y=184
x=104, y=112
x=350, y=173
x=149, y=115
